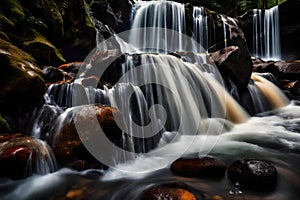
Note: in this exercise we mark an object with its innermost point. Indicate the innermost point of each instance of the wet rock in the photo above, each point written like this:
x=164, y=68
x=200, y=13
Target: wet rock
x=5, y=137
x=253, y=174
x=20, y=156
x=294, y=89
x=68, y=145
x=172, y=190
x=20, y=79
x=53, y=75
x=199, y=167
x=235, y=62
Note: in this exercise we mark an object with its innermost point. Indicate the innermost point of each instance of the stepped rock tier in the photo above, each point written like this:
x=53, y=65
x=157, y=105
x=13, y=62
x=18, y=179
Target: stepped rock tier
x=114, y=99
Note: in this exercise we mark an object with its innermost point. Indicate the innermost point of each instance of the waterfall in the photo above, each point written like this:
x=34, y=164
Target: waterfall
x=266, y=34
x=158, y=26
x=200, y=30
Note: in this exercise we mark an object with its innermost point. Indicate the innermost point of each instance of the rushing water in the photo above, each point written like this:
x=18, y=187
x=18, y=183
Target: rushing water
x=183, y=101
x=266, y=34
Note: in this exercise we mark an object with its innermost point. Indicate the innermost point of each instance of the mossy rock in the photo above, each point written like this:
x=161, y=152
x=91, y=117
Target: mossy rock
x=4, y=126
x=43, y=50
x=20, y=79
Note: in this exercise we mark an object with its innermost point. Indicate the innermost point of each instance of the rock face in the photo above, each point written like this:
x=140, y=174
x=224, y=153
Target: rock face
x=253, y=174
x=52, y=31
x=290, y=29
x=202, y=167
x=20, y=79
x=67, y=144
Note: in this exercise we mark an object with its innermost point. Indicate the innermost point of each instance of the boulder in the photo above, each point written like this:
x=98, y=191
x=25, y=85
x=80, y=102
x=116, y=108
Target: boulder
x=68, y=146
x=20, y=156
x=253, y=174
x=235, y=62
x=53, y=74
x=172, y=190
x=20, y=79
x=199, y=167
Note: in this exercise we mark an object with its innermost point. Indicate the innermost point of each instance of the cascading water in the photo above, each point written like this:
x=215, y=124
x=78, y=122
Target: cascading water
x=266, y=34
x=200, y=30
x=173, y=106
x=158, y=16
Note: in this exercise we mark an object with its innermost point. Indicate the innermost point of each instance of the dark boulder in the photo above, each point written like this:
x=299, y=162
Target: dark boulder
x=199, y=167
x=53, y=74
x=235, y=62
x=253, y=174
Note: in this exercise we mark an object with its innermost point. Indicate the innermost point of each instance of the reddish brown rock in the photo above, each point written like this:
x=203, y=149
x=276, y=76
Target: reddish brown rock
x=199, y=167
x=172, y=191
x=68, y=146
x=253, y=174
x=15, y=161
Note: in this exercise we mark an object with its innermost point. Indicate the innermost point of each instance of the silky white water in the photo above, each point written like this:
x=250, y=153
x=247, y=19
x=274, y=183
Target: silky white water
x=266, y=34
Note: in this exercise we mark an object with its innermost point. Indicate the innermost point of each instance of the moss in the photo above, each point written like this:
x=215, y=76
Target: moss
x=4, y=127
x=4, y=21
x=13, y=9
x=20, y=79
x=43, y=50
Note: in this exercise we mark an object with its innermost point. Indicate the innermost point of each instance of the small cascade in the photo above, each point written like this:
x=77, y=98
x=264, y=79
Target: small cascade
x=224, y=29
x=41, y=159
x=158, y=26
x=200, y=30
x=266, y=34
x=274, y=95
x=69, y=95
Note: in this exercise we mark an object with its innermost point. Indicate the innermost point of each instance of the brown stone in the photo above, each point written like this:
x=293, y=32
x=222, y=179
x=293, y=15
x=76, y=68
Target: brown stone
x=199, y=167
x=172, y=191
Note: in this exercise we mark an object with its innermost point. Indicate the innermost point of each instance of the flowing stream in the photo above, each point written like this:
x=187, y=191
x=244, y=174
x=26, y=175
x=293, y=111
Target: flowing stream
x=179, y=107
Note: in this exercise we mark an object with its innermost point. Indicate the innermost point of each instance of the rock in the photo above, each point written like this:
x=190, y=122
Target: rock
x=199, y=167
x=294, y=89
x=172, y=190
x=289, y=29
x=114, y=13
x=4, y=126
x=5, y=137
x=42, y=50
x=20, y=156
x=289, y=69
x=67, y=144
x=45, y=16
x=53, y=75
x=20, y=79
x=235, y=62
x=253, y=174
x=79, y=32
